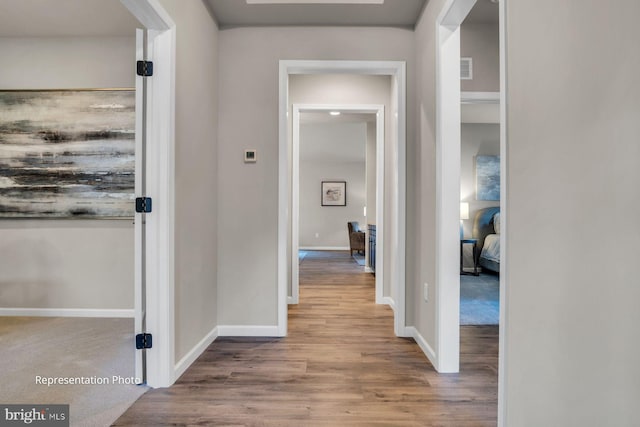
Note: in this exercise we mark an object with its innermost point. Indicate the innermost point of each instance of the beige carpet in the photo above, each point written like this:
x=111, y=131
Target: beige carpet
x=69, y=347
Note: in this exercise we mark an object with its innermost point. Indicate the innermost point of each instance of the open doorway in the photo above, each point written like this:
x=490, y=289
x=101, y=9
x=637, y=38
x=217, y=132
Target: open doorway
x=480, y=166
x=68, y=166
x=448, y=136
x=74, y=279
x=395, y=180
x=339, y=146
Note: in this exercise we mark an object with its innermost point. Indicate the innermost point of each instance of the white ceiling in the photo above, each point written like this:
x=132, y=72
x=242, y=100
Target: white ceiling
x=392, y=13
x=61, y=18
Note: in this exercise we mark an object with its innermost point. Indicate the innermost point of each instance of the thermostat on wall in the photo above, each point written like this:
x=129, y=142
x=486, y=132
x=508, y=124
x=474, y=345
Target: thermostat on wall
x=250, y=156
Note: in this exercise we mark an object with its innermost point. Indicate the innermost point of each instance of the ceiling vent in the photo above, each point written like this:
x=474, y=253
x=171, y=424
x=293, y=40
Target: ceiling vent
x=466, y=69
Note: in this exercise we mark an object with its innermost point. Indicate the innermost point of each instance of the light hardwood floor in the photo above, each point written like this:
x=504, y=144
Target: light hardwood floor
x=340, y=365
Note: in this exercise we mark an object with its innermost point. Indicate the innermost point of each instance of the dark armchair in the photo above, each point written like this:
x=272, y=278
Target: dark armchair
x=356, y=237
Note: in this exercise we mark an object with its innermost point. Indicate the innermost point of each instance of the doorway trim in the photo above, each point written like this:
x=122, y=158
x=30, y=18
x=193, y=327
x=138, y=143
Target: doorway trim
x=448, y=145
x=158, y=265
x=504, y=218
x=396, y=233
x=378, y=110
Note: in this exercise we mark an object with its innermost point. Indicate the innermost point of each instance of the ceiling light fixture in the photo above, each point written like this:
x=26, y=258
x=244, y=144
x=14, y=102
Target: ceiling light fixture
x=315, y=1
x=335, y=113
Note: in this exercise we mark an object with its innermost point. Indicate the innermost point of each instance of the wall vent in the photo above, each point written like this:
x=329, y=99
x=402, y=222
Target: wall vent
x=466, y=69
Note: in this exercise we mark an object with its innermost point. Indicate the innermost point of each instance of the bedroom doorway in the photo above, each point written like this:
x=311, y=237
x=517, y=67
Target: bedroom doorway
x=448, y=208
x=80, y=291
x=480, y=166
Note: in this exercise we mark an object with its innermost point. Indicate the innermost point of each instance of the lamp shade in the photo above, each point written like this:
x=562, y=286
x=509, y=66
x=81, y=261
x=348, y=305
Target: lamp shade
x=464, y=210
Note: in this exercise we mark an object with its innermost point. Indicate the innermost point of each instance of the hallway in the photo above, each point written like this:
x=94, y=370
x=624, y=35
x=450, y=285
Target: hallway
x=341, y=365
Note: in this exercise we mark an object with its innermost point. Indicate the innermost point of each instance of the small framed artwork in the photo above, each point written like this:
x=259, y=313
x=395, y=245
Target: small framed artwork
x=334, y=193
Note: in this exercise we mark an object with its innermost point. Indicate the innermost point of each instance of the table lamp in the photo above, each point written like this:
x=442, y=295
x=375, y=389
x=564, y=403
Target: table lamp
x=464, y=214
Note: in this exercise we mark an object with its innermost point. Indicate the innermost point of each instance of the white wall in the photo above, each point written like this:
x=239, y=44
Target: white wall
x=81, y=264
x=196, y=163
x=573, y=172
x=248, y=202
x=67, y=62
x=422, y=207
x=66, y=263
x=480, y=41
x=329, y=223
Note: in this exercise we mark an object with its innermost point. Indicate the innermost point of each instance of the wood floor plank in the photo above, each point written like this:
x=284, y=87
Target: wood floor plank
x=340, y=365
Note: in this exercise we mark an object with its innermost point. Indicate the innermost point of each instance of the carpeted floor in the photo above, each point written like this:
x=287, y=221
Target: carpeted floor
x=480, y=299
x=69, y=347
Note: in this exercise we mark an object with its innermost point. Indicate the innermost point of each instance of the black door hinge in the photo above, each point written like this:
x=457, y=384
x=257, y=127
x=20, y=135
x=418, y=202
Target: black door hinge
x=143, y=341
x=144, y=68
x=143, y=204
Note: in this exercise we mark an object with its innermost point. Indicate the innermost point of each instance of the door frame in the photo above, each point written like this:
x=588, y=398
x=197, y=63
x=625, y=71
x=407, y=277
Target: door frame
x=448, y=97
x=448, y=120
x=396, y=179
x=155, y=276
x=378, y=110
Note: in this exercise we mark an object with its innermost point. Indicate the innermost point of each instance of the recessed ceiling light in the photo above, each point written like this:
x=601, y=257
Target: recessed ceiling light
x=315, y=1
x=335, y=113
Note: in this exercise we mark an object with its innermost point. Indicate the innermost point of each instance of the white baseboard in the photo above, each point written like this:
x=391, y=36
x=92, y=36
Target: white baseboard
x=247, y=331
x=480, y=97
x=424, y=345
x=195, y=352
x=292, y=300
x=67, y=312
x=325, y=248
x=390, y=302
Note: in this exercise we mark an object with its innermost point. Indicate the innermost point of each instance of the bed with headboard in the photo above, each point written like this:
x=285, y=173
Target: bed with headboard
x=486, y=228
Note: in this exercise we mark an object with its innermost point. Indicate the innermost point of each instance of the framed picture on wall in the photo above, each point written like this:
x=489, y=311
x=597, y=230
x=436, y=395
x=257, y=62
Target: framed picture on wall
x=334, y=193
x=487, y=177
x=67, y=153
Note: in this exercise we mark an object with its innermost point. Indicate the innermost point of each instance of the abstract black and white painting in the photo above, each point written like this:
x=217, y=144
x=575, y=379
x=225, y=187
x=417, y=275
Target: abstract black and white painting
x=334, y=193
x=488, y=177
x=67, y=153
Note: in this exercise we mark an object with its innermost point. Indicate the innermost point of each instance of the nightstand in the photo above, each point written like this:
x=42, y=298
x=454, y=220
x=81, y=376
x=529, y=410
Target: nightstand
x=473, y=242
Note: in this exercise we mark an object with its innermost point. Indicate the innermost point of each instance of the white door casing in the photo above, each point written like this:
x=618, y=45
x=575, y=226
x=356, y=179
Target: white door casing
x=160, y=178
x=397, y=226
